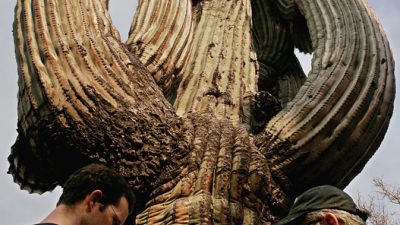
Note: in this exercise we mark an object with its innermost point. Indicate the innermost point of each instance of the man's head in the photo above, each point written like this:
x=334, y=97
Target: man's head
x=324, y=205
x=97, y=186
x=330, y=217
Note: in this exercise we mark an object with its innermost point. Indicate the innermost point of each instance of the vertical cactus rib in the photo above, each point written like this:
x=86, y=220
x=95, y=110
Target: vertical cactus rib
x=221, y=68
x=161, y=36
x=349, y=91
x=270, y=34
x=31, y=94
x=280, y=71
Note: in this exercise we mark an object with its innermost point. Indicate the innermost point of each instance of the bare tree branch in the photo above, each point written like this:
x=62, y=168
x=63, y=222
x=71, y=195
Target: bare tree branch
x=377, y=206
x=388, y=191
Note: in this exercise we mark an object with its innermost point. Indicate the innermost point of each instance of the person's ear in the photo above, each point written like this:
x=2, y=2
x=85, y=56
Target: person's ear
x=93, y=198
x=330, y=219
x=96, y=195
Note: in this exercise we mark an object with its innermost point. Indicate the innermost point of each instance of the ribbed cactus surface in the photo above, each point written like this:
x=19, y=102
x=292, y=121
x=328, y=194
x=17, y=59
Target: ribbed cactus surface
x=205, y=109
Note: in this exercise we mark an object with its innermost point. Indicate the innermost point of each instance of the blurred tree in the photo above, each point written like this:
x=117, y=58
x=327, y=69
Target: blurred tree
x=378, y=207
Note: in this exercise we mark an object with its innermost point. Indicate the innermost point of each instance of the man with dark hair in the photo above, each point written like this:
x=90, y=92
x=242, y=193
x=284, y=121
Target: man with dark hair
x=324, y=205
x=93, y=195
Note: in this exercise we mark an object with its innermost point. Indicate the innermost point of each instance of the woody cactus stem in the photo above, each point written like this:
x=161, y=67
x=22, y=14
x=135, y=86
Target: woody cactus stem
x=338, y=118
x=80, y=90
x=188, y=132
x=161, y=37
x=218, y=73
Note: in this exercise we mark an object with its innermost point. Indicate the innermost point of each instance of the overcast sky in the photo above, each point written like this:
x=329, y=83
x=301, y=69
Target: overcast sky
x=19, y=208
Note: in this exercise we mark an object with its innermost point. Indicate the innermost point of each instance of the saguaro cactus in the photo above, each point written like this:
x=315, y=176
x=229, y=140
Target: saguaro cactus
x=205, y=110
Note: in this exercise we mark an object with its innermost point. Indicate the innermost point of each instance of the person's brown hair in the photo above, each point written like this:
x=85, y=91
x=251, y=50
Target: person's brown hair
x=96, y=177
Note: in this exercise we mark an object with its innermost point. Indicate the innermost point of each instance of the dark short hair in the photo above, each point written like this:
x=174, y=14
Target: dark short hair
x=96, y=177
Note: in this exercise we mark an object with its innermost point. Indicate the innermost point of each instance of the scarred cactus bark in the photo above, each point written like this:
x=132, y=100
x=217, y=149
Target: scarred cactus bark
x=205, y=110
